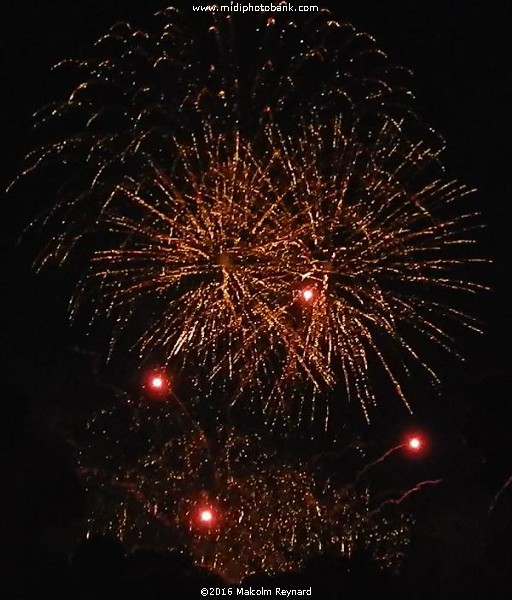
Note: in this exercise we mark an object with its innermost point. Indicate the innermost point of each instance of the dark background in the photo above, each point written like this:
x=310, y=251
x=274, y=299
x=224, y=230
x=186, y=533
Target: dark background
x=460, y=53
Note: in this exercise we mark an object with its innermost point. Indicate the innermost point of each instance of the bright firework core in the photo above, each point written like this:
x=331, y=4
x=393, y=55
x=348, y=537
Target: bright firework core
x=414, y=443
x=307, y=294
x=206, y=516
x=157, y=383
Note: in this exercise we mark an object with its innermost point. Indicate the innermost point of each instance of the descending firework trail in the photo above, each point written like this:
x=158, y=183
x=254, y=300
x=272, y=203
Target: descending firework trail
x=290, y=262
x=237, y=509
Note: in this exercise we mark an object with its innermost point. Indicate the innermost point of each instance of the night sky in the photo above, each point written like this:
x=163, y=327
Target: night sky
x=460, y=55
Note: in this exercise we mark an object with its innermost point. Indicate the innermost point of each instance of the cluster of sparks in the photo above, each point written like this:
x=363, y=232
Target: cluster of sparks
x=235, y=507
x=271, y=270
x=140, y=89
x=271, y=225
x=277, y=236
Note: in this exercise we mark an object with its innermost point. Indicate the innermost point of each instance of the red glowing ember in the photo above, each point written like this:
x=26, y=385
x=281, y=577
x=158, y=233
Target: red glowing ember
x=157, y=382
x=206, y=516
x=414, y=443
x=307, y=294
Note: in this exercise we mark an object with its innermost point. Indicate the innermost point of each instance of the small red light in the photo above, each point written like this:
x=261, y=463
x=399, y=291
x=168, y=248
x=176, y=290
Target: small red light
x=206, y=516
x=157, y=382
x=415, y=443
x=307, y=294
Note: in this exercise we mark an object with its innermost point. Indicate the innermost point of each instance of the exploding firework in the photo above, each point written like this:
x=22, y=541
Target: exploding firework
x=382, y=238
x=211, y=249
x=277, y=239
x=293, y=262
x=141, y=89
x=235, y=507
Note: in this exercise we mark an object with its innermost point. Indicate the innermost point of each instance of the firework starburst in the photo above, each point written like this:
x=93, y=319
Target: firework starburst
x=289, y=262
x=274, y=226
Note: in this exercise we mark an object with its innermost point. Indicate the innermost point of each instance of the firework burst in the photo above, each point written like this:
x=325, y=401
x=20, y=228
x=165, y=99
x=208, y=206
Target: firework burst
x=382, y=243
x=140, y=89
x=213, y=248
x=273, y=237
x=287, y=262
